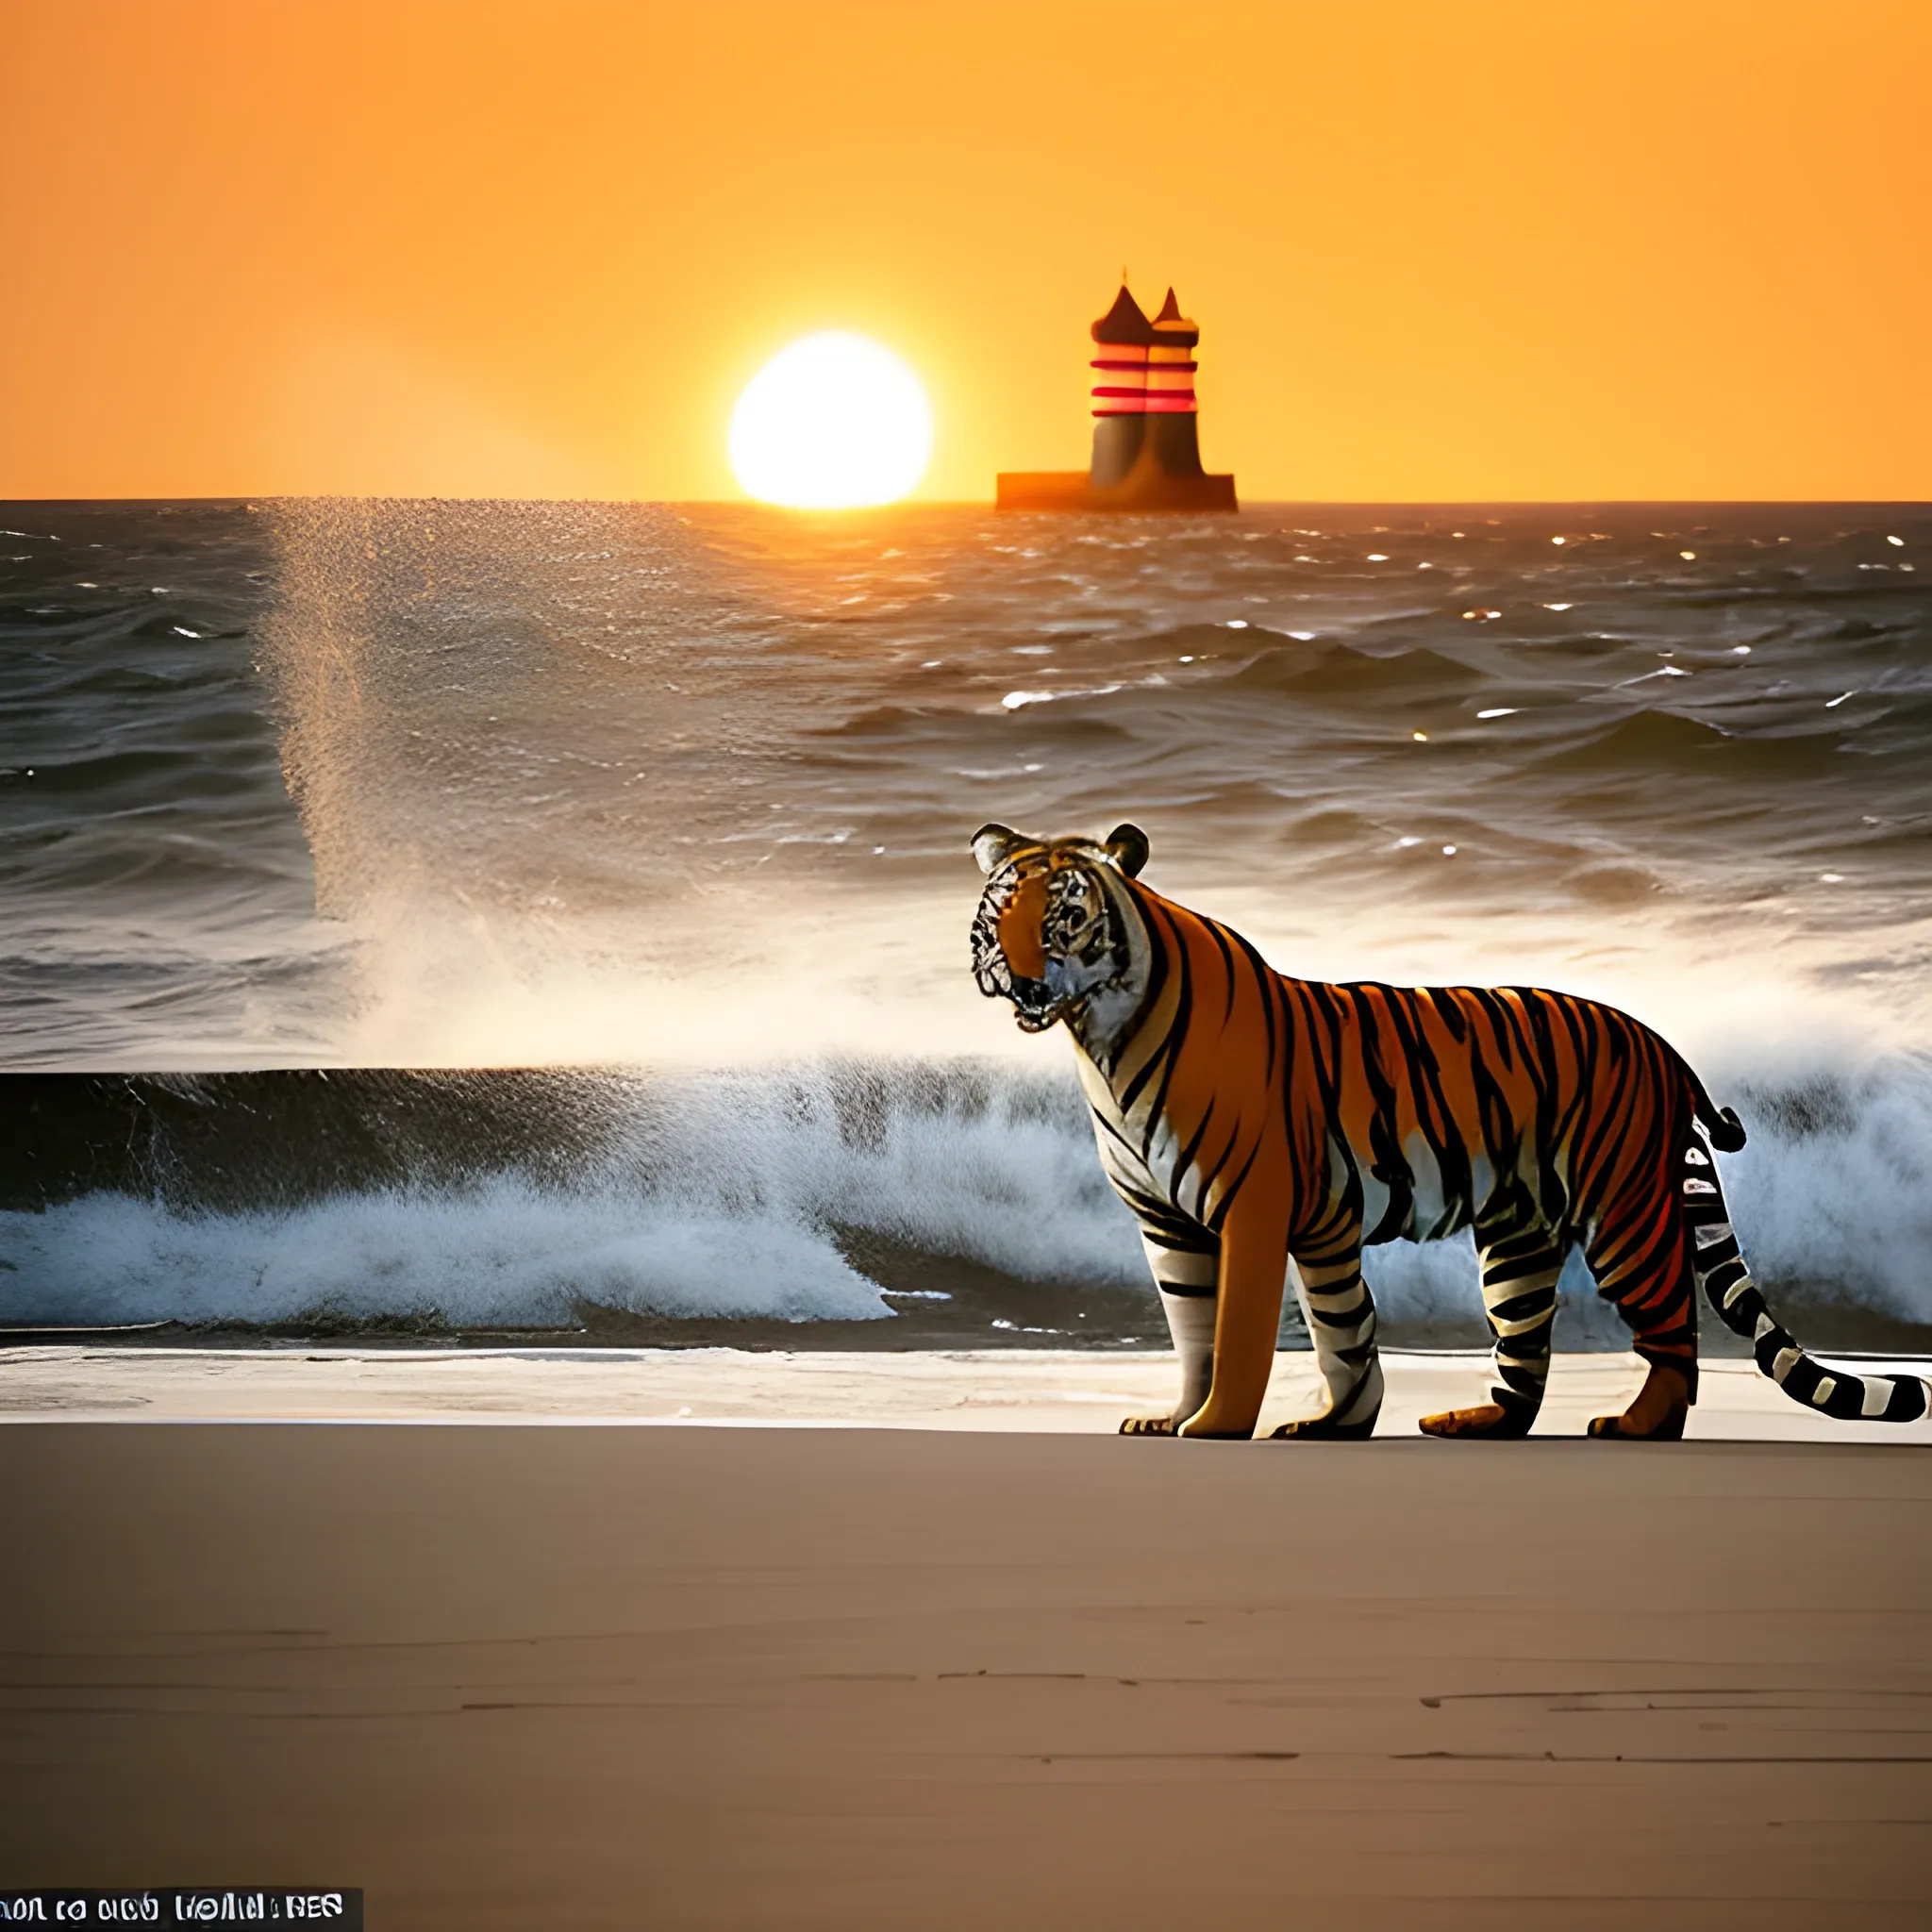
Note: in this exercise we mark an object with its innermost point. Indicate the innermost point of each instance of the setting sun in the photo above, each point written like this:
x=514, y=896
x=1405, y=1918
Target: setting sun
x=835, y=422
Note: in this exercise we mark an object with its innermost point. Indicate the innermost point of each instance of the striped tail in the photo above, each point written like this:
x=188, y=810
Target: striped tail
x=1723, y=1127
x=1727, y=1285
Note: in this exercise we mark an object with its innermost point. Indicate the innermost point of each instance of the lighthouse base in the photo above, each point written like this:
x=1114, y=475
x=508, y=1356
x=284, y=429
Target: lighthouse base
x=1142, y=492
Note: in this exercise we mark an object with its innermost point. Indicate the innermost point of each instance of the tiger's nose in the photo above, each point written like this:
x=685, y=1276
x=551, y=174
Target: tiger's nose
x=1019, y=928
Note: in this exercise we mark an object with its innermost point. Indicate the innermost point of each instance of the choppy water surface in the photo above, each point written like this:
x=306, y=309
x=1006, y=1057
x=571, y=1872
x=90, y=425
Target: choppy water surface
x=687, y=790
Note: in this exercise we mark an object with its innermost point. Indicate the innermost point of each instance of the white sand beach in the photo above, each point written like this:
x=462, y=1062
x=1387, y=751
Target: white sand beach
x=958, y=1665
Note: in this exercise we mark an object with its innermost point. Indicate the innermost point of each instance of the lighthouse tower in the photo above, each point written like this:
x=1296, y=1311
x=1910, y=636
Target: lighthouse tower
x=1124, y=340
x=1173, y=435
x=1147, y=425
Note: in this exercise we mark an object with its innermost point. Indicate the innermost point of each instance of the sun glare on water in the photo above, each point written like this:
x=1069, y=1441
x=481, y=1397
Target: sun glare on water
x=835, y=422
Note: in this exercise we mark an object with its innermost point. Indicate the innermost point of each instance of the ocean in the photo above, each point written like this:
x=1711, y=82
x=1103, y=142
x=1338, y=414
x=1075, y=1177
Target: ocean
x=460, y=919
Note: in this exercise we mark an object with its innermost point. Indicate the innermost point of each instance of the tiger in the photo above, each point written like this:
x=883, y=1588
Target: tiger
x=1263, y=1129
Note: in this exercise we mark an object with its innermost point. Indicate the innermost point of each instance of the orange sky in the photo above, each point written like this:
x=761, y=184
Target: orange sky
x=1498, y=249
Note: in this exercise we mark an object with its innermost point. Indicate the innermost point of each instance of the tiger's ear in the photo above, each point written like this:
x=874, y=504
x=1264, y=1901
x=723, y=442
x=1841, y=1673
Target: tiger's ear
x=993, y=845
x=1129, y=845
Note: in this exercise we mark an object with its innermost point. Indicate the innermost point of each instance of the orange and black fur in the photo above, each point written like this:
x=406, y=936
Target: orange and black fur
x=1250, y=1119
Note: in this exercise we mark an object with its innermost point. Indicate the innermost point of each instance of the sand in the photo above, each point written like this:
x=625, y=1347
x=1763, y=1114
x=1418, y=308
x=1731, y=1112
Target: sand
x=1007, y=1669
x=1083, y=1391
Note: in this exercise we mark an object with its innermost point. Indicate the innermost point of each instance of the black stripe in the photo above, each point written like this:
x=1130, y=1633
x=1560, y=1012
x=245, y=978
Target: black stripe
x=1213, y=1173
x=1177, y=1029
x=1186, y=1159
x=1267, y=983
x=1521, y=1307
x=1219, y=1218
x=1543, y=1261
x=1220, y=939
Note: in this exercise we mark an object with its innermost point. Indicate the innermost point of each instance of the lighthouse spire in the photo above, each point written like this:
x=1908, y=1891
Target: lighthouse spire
x=1173, y=441
x=1123, y=337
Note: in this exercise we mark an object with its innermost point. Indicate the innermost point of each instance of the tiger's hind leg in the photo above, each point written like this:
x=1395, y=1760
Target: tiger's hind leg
x=1520, y=1270
x=1658, y=1413
x=1641, y=1255
x=1341, y=1316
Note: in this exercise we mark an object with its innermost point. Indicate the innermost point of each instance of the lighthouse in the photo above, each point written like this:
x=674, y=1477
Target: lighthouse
x=1146, y=424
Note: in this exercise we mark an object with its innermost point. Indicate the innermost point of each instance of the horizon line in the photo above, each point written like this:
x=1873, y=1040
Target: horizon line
x=249, y=499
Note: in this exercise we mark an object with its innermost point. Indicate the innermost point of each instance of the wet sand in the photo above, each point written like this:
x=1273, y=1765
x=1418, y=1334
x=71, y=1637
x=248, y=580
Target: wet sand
x=1084, y=1391
x=623, y=1676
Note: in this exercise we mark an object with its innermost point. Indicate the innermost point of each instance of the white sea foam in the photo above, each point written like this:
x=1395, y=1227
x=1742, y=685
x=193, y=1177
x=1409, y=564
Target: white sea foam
x=502, y=1253
x=720, y=1196
x=725, y=1196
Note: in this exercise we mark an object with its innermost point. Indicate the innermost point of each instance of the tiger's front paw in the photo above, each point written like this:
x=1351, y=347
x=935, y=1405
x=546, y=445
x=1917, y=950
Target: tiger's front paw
x=1149, y=1425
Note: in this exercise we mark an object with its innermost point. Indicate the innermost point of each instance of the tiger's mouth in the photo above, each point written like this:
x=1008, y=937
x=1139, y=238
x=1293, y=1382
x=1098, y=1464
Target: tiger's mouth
x=1036, y=1007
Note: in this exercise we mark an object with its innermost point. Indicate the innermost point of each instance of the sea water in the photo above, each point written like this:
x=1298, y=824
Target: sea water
x=678, y=797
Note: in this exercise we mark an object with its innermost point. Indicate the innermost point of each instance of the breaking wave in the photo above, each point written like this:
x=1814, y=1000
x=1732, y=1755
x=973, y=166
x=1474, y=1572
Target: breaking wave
x=828, y=1192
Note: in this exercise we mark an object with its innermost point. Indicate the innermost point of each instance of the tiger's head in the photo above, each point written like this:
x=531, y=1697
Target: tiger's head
x=1054, y=930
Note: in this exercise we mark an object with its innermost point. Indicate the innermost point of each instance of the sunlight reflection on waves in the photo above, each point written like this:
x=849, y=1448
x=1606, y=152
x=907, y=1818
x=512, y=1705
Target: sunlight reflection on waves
x=623, y=782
